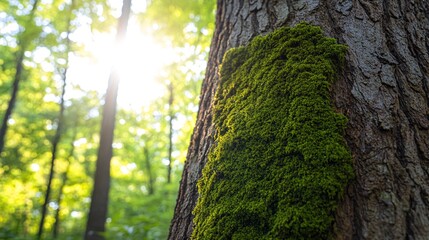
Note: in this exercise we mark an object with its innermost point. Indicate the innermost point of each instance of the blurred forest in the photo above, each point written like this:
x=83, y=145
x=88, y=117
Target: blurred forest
x=49, y=116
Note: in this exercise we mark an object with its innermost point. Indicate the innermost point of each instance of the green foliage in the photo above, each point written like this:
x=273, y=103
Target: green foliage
x=184, y=22
x=143, y=216
x=134, y=212
x=280, y=163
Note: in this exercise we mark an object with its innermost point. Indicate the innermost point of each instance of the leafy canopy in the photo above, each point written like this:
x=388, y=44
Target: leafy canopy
x=141, y=201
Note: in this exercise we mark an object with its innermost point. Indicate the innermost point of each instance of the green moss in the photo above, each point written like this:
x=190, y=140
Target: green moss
x=280, y=162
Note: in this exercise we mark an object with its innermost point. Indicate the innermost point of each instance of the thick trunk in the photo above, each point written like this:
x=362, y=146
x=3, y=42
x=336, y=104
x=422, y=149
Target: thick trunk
x=384, y=91
x=385, y=94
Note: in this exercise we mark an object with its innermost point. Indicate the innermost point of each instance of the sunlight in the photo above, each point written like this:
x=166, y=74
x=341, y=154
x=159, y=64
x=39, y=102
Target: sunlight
x=139, y=61
x=61, y=54
x=76, y=214
x=80, y=142
x=34, y=167
x=127, y=169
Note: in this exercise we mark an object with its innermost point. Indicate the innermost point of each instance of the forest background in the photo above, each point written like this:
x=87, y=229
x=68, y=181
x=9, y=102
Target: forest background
x=61, y=51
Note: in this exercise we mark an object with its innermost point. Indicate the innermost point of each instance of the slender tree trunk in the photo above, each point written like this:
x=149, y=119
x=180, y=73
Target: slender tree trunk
x=151, y=180
x=64, y=178
x=25, y=220
x=99, y=200
x=384, y=92
x=57, y=216
x=58, y=133
x=20, y=221
x=17, y=80
x=170, y=133
x=55, y=143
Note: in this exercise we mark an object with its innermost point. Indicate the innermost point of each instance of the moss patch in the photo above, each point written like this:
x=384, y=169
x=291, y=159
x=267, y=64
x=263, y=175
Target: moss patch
x=280, y=162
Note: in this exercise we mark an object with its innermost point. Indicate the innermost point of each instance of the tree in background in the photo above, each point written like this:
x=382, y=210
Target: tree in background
x=383, y=91
x=99, y=201
x=189, y=29
x=59, y=123
x=171, y=116
x=64, y=178
x=141, y=201
x=30, y=33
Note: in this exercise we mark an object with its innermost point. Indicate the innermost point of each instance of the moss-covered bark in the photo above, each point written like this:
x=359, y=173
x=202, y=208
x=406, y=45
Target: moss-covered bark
x=280, y=163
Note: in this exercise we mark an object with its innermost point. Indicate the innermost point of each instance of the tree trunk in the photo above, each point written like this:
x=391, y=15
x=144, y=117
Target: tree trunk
x=383, y=90
x=97, y=215
x=64, y=178
x=55, y=143
x=151, y=180
x=58, y=132
x=170, y=129
x=17, y=79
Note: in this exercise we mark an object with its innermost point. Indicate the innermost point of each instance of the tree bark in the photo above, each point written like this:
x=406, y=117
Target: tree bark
x=383, y=90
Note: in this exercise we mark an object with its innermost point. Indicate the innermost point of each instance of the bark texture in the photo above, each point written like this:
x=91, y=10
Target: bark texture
x=384, y=91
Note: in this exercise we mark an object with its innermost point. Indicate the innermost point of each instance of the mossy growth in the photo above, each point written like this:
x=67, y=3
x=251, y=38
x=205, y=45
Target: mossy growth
x=280, y=163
